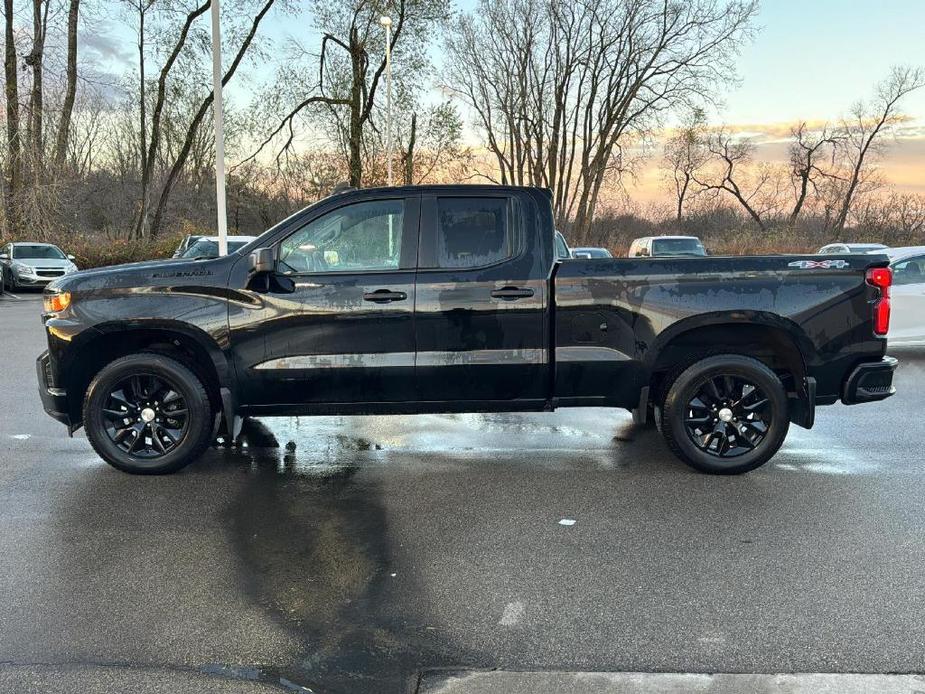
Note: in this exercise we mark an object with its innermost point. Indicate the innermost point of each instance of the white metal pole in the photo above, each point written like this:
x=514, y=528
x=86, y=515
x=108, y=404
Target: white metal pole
x=387, y=23
x=219, y=129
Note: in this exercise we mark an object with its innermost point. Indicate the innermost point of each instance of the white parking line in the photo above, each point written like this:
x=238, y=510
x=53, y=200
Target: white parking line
x=11, y=294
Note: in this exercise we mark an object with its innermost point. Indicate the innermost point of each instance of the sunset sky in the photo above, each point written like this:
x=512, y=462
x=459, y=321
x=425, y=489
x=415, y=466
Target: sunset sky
x=810, y=60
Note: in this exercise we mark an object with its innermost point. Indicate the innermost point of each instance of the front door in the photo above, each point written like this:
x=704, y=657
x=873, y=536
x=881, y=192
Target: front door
x=337, y=322
x=480, y=317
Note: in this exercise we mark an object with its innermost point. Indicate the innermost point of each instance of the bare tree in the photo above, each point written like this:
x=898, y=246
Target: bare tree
x=757, y=188
x=350, y=66
x=204, y=108
x=427, y=150
x=861, y=132
x=67, y=108
x=685, y=152
x=557, y=88
x=35, y=60
x=153, y=140
x=807, y=151
x=14, y=151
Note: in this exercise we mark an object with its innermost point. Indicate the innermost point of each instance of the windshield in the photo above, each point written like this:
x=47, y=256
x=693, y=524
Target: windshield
x=863, y=247
x=677, y=247
x=205, y=248
x=40, y=252
x=592, y=253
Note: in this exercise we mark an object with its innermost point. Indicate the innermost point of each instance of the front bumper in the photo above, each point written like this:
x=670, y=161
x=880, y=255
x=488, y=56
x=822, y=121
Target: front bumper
x=54, y=400
x=24, y=280
x=870, y=381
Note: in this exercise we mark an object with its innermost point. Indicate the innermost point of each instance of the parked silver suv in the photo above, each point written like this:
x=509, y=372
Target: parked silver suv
x=33, y=264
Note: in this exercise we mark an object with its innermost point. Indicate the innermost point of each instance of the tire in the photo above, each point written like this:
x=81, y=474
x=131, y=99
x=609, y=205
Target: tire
x=712, y=421
x=168, y=422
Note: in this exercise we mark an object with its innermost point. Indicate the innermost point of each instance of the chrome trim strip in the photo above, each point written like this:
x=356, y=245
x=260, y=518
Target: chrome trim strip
x=339, y=361
x=589, y=353
x=474, y=357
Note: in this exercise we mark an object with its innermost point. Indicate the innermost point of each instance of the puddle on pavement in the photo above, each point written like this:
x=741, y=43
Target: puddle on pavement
x=802, y=453
x=314, y=548
x=605, y=438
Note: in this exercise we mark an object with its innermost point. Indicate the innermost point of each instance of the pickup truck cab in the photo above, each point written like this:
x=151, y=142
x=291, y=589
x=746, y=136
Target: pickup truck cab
x=451, y=299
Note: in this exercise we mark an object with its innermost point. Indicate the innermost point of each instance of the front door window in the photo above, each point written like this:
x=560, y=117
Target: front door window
x=362, y=237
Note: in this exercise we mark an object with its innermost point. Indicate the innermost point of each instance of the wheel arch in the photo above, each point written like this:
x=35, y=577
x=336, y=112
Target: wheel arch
x=776, y=341
x=192, y=346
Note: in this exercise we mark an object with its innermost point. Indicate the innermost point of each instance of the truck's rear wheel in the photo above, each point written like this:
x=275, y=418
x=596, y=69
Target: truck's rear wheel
x=147, y=414
x=726, y=414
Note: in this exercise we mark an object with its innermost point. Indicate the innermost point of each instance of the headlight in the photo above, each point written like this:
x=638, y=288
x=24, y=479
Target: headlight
x=19, y=267
x=55, y=303
x=71, y=268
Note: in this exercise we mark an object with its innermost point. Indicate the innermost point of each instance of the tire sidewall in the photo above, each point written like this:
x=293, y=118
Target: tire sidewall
x=184, y=380
x=684, y=388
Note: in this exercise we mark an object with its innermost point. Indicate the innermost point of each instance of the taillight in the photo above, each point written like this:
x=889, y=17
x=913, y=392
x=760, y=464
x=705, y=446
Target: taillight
x=882, y=279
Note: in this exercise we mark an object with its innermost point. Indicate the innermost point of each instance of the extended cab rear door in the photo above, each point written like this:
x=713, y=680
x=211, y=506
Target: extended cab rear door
x=481, y=311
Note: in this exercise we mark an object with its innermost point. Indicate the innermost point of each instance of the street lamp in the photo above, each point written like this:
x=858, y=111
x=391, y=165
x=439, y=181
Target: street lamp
x=386, y=22
x=217, y=111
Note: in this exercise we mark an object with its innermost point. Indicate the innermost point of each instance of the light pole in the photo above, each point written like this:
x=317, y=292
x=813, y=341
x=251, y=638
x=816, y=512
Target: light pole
x=386, y=22
x=219, y=130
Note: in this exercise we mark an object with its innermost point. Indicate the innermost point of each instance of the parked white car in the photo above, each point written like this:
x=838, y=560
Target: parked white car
x=33, y=264
x=591, y=252
x=207, y=246
x=907, y=320
x=850, y=248
x=652, y=246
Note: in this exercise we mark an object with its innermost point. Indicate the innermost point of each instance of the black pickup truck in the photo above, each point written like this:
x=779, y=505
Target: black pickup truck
x=454, y=299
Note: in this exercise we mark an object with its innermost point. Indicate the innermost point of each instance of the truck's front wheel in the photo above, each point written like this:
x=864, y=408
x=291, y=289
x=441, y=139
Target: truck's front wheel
x=147, y=414
x=726, y=414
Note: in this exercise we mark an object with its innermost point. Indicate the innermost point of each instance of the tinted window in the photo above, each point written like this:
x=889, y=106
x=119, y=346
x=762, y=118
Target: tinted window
x=357, y=237
x=561, y=247
x=209, y=249
x=472, y=232
x=677, y=247
x=42, y=252
x=910, y=271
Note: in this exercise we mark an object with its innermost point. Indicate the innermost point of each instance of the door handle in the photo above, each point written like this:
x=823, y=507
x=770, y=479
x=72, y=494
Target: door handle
x=512, y=293
x=384, y=296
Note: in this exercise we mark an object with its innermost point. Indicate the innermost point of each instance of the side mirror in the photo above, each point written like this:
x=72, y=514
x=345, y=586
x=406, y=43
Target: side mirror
x=262, y=261
x=71, y=258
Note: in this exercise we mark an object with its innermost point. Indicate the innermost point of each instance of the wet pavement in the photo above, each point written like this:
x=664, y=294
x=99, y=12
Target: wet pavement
x=361, y=552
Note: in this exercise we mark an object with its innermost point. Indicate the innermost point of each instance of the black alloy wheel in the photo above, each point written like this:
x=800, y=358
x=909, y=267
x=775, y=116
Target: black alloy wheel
x=724, y=414
x=146, y=416
x=728, y=416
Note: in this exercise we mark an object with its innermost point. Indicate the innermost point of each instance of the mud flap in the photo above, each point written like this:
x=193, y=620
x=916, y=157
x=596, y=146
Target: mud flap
x=228, y=408
x=641, y=411
x=803, y=405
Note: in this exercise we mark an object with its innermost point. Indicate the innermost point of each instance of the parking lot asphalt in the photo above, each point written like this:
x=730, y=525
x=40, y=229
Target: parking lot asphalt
x=363, y=551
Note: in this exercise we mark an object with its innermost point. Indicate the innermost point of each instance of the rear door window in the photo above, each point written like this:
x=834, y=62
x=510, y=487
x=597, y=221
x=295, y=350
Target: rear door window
x=473, y=232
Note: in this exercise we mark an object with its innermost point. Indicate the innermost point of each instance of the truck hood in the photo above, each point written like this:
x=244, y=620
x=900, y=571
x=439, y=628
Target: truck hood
x=150, y=273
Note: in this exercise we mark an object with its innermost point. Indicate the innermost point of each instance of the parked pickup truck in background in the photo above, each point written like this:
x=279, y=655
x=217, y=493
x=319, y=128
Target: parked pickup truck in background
x=451, y=299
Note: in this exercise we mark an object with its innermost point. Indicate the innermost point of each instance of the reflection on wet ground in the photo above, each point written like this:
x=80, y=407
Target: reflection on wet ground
x=312, y=445
x=316, y=545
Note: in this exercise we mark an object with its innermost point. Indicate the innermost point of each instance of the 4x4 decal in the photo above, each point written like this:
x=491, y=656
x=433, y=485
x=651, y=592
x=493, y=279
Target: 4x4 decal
x=819, y=264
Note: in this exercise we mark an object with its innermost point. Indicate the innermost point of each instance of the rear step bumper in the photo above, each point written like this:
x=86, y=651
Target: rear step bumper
x=870, y=381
